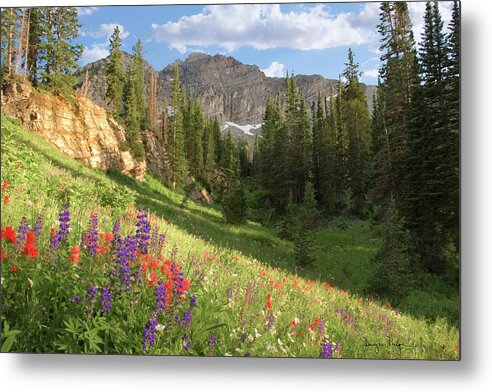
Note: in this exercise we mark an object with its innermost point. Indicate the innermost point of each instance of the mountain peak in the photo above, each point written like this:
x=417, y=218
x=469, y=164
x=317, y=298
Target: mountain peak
x=226, y=88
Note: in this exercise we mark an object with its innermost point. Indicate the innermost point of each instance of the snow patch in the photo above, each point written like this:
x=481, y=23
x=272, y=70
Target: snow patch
x=246, y=129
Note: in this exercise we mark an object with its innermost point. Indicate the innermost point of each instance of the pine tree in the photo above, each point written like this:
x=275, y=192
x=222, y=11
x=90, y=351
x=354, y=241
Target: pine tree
x=10, y=32
x=131, y=110
x=245, y=166
x=265, y=146
x=452, y=80
x=431, y=179
x=356, y=119
x=398, y=75
x=300, y=148
x=164, y=130
x=132, y=127
x=232, y=197
x=115, y=75
x=196, y=139
x=341, y=148
x=58, y=53
x=218, y=140
x=138, y=65
x=36, y=32
x=208, y=150
x=175, y=141
x=152, y=119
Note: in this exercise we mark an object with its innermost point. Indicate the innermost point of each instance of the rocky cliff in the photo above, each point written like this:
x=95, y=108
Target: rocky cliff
x=82, y=130
x=226, y=88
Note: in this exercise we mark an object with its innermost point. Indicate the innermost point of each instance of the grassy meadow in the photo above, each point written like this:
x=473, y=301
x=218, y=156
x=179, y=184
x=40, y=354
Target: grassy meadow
x=171, y=278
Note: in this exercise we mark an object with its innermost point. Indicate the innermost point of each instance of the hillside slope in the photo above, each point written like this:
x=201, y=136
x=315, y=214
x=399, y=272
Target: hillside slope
x=242, y=299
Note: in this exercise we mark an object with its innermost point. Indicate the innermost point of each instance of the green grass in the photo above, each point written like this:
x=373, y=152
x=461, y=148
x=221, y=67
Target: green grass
x=249, y=261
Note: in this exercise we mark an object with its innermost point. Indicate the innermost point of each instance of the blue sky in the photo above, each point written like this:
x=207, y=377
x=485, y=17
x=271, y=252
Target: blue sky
x=305, y=38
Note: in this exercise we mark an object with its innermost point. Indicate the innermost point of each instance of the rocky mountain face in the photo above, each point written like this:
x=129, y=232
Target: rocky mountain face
x=82, y=130
x=231, y=91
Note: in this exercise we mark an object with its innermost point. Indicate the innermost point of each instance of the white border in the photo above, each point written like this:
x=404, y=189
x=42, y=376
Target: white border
x=84, y=373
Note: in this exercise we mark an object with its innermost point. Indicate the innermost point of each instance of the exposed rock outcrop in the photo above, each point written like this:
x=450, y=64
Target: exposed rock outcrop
x=81, y=130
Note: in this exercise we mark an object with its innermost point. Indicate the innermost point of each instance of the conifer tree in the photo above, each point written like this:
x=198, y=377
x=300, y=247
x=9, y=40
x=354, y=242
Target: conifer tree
x=164, y=130
x=196, y=139
x=36, y=32
x=115, y=75
x=138, y=65
x=58, y=53
x=132, y=125
x=175, y=141
x=398, y=75
x=208, y=150
x=356, y=119
x=431, y=179
x=265, y=147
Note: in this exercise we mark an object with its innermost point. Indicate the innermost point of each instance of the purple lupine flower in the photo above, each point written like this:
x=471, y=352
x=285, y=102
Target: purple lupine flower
x=64, y=223
x=75, y=299
x=342, y=313
x=187, y=318
x=92, y=236
x=143, y=230
x=178, y=278
x=186, y=341
x=162, y=239
x=212, y=341
x=160, y=297
x=125, y=254
x=106, y=300
x=116, y=234
x=247, y=354
x=229, y=294
x=326, y=349
x=90, y=295
x=38, y=226
x=193, y=300
x=149, y=332
x=271, y=320
x=22, y=230
x=321, y=327
x=55, y=241
x=178, y=320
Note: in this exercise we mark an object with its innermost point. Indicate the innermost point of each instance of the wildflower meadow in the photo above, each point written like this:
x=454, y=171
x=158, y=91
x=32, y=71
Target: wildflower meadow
x=85, y=270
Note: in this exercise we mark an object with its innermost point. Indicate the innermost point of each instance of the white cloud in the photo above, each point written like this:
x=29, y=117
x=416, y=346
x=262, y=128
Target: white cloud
x=417, y=12
x=106, y=30
x=275, y=70
x=94, y=53
x=86, y=10
x=371, y=73
x=265, y=26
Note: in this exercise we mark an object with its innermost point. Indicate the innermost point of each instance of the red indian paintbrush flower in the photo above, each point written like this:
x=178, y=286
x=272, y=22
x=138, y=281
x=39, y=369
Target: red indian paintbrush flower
x=30, y=246
x=75, y=255
x=5, y=185
x=8, y=234
x=6, y=199
x=14, y=269
x=269, y=302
